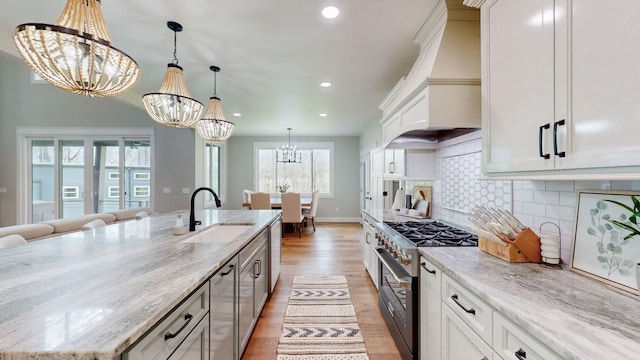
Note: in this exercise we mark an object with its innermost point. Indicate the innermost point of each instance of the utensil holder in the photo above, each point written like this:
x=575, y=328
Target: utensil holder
x=522, y=249
x=551, y=248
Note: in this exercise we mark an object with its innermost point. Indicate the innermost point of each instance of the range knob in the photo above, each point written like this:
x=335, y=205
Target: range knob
x=405, y=259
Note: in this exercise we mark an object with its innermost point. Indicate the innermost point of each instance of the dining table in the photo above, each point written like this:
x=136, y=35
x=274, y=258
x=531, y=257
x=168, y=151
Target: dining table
x=276, y=202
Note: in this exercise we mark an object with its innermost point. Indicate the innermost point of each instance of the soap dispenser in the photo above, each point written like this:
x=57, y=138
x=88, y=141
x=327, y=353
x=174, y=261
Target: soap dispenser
x=178, y=228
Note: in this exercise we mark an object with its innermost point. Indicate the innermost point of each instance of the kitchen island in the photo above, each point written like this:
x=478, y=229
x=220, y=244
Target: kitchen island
x=92, y=294
x=573, y=316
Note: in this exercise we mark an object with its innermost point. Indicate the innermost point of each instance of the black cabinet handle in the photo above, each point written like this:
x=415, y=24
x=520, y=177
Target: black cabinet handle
x=542, y=128
x=228, y=272
x=521, y=354
x=169, y=335
x=555, y=138
x=484, y=358
x=424, y=266
x=472, y=311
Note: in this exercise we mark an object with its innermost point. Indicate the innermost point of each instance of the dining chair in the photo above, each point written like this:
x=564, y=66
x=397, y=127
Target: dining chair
x=292, y=211
x=260, y=200
x=246, y=196
x=311, y=213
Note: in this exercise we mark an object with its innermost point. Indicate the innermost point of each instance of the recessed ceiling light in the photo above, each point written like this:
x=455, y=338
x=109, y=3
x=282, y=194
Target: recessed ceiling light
x=330, y=12
x=323, y=115
x=237, y=114
x=325, y=84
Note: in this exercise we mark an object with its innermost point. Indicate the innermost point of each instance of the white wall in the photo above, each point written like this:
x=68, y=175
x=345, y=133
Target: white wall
x=25, y=104
x=346, y=175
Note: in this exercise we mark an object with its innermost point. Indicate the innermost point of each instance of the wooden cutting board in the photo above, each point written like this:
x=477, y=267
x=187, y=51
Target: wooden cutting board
x=424, y=193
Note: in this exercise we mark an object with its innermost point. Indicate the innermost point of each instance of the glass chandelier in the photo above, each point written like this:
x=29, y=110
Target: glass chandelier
x=213, y=126
x=172, y=105
x=76, y=54
x=288, y=153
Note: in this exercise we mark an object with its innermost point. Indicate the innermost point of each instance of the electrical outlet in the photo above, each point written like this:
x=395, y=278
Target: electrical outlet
x=166, y=190
x=337, y=209
x=185, y=190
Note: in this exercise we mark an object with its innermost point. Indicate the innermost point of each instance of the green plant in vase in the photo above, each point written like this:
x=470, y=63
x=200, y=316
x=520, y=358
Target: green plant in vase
x=283, y=188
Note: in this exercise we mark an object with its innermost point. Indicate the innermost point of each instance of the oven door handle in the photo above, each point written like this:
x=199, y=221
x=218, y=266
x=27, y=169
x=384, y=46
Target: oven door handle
x=389, y=262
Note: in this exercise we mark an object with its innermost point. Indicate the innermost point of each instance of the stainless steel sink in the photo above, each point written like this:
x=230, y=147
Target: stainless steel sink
x=220, y=233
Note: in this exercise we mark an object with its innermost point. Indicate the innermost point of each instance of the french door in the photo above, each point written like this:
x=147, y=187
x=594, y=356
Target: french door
x=75, y=174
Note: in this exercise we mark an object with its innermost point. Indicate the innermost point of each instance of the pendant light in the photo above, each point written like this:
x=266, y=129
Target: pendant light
x=76, y=54
x=172, y=105
x=213, y=126
x=288, y=153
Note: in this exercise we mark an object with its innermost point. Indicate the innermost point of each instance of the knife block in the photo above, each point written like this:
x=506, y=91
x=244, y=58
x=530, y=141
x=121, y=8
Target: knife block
x=510, y=252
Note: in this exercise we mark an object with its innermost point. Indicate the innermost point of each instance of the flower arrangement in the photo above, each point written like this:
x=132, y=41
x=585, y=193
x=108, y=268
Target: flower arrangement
x=283, y=188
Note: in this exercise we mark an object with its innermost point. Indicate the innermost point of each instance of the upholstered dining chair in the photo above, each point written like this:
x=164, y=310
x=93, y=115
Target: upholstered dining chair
x=260, y=200
x=292, y=211
x=311, y=213
x=11, y=240
x=246, y=196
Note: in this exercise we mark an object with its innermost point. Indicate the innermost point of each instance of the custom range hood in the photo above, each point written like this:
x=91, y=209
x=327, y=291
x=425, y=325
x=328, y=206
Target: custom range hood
x=440, y=97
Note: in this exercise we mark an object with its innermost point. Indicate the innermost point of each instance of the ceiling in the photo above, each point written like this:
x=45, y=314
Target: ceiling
x=273, y=55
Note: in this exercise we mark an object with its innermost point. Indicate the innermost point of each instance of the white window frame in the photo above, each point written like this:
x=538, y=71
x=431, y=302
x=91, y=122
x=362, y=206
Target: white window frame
x=74, y=189
x=301, y=145
x=23, y=153
x=138, y=175
x=113, y=175
x=109, y=192
x=137, y=188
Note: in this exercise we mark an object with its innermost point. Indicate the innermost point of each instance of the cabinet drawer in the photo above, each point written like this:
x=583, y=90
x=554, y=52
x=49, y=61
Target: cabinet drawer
x=513, y=343
x=471, y=309
x=459, y=342
x=169, y=333
x=248, y=251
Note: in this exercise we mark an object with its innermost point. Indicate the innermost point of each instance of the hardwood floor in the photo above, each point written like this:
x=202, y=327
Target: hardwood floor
x=334, y=249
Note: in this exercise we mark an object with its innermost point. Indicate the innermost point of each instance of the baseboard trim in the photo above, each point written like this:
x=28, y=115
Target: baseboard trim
x=339, y=219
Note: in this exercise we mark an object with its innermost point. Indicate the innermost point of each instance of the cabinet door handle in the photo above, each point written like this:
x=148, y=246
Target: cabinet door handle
x=228, y=272
x=484, y=358
x=555, y=138
x=521, y=354
x=259, y=272
x=168, y=335
x=471, y=311
x=540, y=149
x=424, y=266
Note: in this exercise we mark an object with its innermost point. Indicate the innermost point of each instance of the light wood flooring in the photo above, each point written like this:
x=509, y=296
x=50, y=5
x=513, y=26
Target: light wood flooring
x=334, y=249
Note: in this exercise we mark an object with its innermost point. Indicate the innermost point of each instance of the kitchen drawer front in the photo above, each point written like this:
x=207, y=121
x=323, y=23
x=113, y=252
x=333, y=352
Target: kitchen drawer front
x=167, y=335
x=459, y=342
x=471, y=309
x=513, y=343
x=248, y=251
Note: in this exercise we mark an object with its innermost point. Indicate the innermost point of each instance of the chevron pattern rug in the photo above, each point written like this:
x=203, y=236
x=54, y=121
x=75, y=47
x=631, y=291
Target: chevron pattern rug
x=320, y=322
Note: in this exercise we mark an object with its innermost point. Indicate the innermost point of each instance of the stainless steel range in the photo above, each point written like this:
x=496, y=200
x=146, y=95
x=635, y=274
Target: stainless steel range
x=397, y=250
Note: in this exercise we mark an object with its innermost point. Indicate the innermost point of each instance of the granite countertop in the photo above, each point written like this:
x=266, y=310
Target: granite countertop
x=91, y=294
x=392, y=215
x=575, y=316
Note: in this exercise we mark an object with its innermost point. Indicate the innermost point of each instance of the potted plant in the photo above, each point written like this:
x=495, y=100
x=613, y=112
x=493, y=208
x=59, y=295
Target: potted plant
x=630, y=224
x=283, y=188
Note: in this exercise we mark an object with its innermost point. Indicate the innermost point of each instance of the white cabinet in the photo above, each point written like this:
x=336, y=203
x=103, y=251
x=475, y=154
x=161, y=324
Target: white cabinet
x=430, y=311
x=196, y=345
x=222, y=313
x=394, y=163
x=560, y=85
x=513, y=343
x=377, y=171
x=459, y=342
x=369, y=243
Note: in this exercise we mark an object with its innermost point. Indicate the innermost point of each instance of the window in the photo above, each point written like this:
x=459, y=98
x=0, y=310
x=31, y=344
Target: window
x=113, y=192
x=314, y=172
x=70, y=192
x=141, y=176
x=67, y=172
x=140, y=191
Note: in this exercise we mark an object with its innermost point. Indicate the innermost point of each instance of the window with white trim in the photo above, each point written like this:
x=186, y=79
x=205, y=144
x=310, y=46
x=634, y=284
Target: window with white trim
x=113, y=192
x=141, y=176
x=70, y=192
x=314, y=172
x=114, y=176
x=141, y=191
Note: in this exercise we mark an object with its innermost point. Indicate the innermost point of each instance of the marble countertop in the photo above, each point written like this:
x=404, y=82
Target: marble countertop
x=577, y=317
x=91, y=294
x=392, y=215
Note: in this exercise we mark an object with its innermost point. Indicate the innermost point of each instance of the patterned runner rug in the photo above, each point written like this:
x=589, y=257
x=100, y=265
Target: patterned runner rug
x=320, y=322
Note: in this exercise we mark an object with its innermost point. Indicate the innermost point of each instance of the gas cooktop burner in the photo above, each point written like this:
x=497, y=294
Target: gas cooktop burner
x=433, y=234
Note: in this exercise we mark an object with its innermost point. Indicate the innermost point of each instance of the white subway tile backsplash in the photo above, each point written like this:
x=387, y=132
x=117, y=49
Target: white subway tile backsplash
x=560, y=185
x=530, y=208
x=523, y=195
x=592, y=185
x=561, y=212
x=517, y=184
x=526, y=220
x=546, y=197
x=517, y=206
x=568, y=198
x=629, y=185
x=533, y=185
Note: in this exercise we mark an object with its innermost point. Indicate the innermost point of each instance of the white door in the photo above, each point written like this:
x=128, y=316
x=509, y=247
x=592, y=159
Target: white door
x=518, y=85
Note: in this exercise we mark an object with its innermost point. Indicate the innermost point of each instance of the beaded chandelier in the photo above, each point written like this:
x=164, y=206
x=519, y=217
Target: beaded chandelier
x=213, y=126
x=172, y=105
x=76, y=54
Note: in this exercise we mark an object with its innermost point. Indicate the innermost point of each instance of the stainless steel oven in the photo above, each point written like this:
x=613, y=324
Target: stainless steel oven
x=398, y=281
